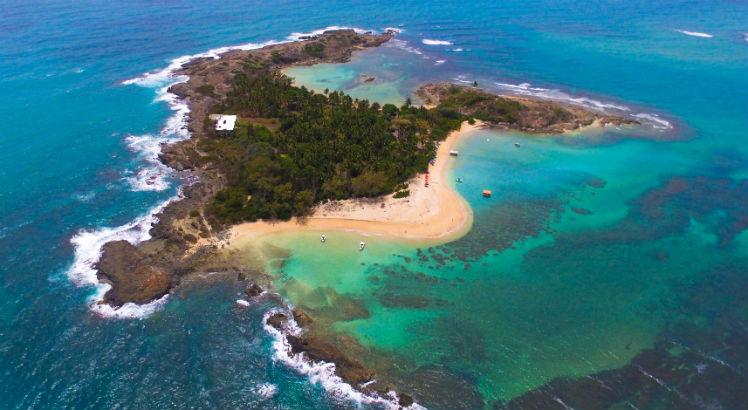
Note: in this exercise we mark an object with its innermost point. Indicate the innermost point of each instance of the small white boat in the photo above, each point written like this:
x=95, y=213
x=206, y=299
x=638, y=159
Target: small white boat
x=361, y=246
x=322, y=238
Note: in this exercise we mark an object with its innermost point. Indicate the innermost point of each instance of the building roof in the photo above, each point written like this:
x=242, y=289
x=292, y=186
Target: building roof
x=225, y=122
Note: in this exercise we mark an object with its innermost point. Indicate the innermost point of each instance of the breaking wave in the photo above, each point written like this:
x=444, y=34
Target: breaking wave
x=403, y=45
x=430, y=42
x=87, y=246
x=558, y=95
x=654, y=120
x=88, y=243
x=321, y=373
x=300, y=36
x=265, y=390
x=695, y=33
x=651, y=120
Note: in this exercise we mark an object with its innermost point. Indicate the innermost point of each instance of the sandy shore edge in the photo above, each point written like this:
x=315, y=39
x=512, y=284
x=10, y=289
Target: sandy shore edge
x=434, y=214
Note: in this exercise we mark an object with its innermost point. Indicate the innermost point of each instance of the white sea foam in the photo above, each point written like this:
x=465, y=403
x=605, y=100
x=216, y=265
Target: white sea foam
x=745, y=36
x=321, y=373
x=649, y=119
x=299, y=36
x=87, y=245
x=439, y=62
x=462, y=79
x=457, y=50
x=558, y=95
x=402, y=44
x=265, y=390
x=653, y=120
x=129, y=310
x=397, y=30
x=85, y=197
x=430, y=42
x=695, y=33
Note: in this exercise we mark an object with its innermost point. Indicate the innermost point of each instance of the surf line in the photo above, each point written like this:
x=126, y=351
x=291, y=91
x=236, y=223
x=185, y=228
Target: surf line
x=88, y=243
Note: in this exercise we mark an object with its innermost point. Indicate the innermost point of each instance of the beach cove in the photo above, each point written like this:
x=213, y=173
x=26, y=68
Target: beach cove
x=432, y=214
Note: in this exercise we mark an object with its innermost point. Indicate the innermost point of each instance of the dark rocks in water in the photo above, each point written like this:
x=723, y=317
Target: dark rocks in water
x=149, y=270
x=133, y=278
x=342, y=307
x=317, y=350
x=404, y=400
x=442, y=388
x=596, y=182
x=277, y=320
x=253, y=290
x=408, y=301
x=522, y=113
x=301, y=317
x=580, y=211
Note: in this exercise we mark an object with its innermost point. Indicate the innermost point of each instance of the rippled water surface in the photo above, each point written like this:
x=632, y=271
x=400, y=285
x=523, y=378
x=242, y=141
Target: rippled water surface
x=616, y=258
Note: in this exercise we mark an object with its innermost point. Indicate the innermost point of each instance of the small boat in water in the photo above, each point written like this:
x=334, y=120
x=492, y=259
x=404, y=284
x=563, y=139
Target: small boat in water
x=516, y=144
x=361, y=245
x=322, y=238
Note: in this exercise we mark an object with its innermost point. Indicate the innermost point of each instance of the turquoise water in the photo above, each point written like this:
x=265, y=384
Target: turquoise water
x=655, y=254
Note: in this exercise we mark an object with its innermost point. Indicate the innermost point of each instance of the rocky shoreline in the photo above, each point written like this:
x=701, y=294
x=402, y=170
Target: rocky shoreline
x=185, y=241
x=525, y=114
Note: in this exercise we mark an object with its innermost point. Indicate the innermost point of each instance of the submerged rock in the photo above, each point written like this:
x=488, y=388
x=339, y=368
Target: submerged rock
x=253, y=290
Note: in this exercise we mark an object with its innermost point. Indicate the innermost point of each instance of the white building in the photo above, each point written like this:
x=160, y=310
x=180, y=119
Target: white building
x=224, y=122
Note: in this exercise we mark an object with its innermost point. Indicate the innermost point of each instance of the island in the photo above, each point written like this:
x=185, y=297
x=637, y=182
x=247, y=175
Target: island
x=268, y=155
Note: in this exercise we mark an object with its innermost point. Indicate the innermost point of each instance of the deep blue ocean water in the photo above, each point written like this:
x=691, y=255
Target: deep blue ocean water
x=65, y=163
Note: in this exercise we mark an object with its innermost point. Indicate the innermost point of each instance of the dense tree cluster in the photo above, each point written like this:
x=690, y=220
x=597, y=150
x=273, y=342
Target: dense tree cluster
x=293, y=148
x=482, y=105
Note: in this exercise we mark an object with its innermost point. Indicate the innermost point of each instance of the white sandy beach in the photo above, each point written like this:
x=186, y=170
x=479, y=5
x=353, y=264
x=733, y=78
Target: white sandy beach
x=435, y=214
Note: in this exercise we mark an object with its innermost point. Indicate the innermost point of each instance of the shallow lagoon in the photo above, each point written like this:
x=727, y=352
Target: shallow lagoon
x=529, y=294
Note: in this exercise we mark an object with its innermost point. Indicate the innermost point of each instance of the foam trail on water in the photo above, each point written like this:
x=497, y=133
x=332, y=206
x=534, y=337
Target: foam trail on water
x=394, y=29
x=148, y=146
x=430, y=42
x=654, y=121
x=265, y=390
x=558, y=95
x=321, y=373
x=300, y=36
x=694, y=33
x=402, y=44
x=88, y=243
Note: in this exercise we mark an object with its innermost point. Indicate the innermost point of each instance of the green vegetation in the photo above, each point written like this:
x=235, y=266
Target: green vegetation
x=315, y=49
x=402, y=194
x=481, y=105
x=324, y=146
x=206, y=89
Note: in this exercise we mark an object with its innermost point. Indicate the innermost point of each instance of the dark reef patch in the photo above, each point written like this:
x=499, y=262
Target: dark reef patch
x=698, y=364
